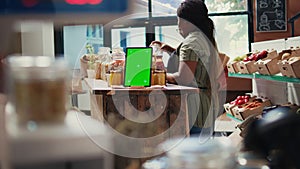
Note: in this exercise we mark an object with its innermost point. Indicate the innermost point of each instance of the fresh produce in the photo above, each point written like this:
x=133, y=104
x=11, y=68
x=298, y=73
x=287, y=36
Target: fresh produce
x=240, y=100
x=240, y=58
x=254, y=104
x=256, y=56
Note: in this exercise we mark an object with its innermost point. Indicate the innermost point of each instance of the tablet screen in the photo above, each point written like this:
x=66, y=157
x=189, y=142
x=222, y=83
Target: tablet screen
x=138, y=66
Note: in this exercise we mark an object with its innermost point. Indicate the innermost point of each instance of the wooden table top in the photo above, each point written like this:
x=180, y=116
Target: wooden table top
x=101, y=86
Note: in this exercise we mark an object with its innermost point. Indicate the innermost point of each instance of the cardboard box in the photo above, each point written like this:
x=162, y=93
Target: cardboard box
x=267, y=66
x=295, y=52
x=272, y=55
x=290, y=68
x=242, y=112
x=247, y=67
x=232, y=67
x=229, y=107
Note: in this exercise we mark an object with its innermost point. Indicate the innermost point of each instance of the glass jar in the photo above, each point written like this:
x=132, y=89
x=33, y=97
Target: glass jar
x=104, y=53
x=39, y=87
x=118, y=56
x=107, y=63
x=158, y=77
x=116, y=77
x=190, y=153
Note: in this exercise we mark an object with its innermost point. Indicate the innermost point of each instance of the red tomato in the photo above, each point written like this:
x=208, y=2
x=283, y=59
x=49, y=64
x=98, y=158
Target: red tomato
x=240, y=102
x=239, y=98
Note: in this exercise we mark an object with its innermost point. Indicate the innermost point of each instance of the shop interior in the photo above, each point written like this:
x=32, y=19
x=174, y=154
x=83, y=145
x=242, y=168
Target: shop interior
x=92, y=119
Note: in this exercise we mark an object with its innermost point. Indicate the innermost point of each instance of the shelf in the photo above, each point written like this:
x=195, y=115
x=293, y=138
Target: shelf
x=233, y=118
x=277, y=77
x=240, y=75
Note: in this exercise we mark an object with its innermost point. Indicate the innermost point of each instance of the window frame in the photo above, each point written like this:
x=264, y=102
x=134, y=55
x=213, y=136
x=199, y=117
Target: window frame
x=150, y=22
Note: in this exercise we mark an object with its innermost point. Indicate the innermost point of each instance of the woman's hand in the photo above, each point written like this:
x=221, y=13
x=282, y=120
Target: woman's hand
x=156, y=43
x=167, y=48
x=164, y=47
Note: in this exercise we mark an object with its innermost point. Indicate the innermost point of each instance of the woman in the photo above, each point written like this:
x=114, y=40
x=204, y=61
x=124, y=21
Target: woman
x=198, y=63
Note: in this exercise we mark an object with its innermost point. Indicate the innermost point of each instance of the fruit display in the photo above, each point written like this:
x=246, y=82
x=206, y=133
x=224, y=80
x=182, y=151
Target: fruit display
x=238, y=101
x=242, y=57
x=290, y=67
x=257, y=56
x=246, y=67
x=267, y=66
x=245, y=105
x=254, y=107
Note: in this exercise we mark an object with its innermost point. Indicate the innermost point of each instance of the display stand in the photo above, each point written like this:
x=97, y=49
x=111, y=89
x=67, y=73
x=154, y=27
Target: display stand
x=279, y=89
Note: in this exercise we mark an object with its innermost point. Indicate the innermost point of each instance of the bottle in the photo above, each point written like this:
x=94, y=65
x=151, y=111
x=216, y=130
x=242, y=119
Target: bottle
x=158, y=68
x=106, y=65
x=103, y=52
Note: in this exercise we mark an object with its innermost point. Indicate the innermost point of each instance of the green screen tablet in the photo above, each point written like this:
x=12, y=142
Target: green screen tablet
x=138, y=67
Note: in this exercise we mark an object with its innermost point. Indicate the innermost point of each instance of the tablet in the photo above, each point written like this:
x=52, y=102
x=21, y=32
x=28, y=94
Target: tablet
x=138, y=65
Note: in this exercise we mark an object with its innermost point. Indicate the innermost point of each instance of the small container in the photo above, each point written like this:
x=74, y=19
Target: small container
x=39, y=87
x=116, y=77
x=158, y=77
x=190, y=153
x=118, y=55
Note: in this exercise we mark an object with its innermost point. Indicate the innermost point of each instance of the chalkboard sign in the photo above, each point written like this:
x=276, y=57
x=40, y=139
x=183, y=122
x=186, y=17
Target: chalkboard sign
x=271, y=15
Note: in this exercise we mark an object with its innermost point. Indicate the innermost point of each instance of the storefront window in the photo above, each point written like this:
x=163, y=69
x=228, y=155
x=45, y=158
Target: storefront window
x=169, y=35
x=128, y=37
x=77, y=37
x=168, y=7
x=232, y=34
x=165, y=7
x=226, y=5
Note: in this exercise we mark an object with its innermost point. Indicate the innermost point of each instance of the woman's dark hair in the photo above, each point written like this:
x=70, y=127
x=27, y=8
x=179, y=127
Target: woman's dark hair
x=196, y=12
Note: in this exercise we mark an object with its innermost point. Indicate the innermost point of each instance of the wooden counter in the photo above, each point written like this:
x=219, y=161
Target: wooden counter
x=141, y=112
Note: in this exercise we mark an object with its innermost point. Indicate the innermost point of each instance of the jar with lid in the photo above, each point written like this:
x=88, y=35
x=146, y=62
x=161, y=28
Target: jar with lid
x=157, y=56
x=39, y=87
x=190, y=153
x=158, y=68
x=158, y=77
x=118, y=56
x=102, y=54
x=116, y=77
x=106, y=64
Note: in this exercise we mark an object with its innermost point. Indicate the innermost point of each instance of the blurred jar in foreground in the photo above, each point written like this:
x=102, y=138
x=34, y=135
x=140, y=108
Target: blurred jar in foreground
x=217, y=153
x=38, y=88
